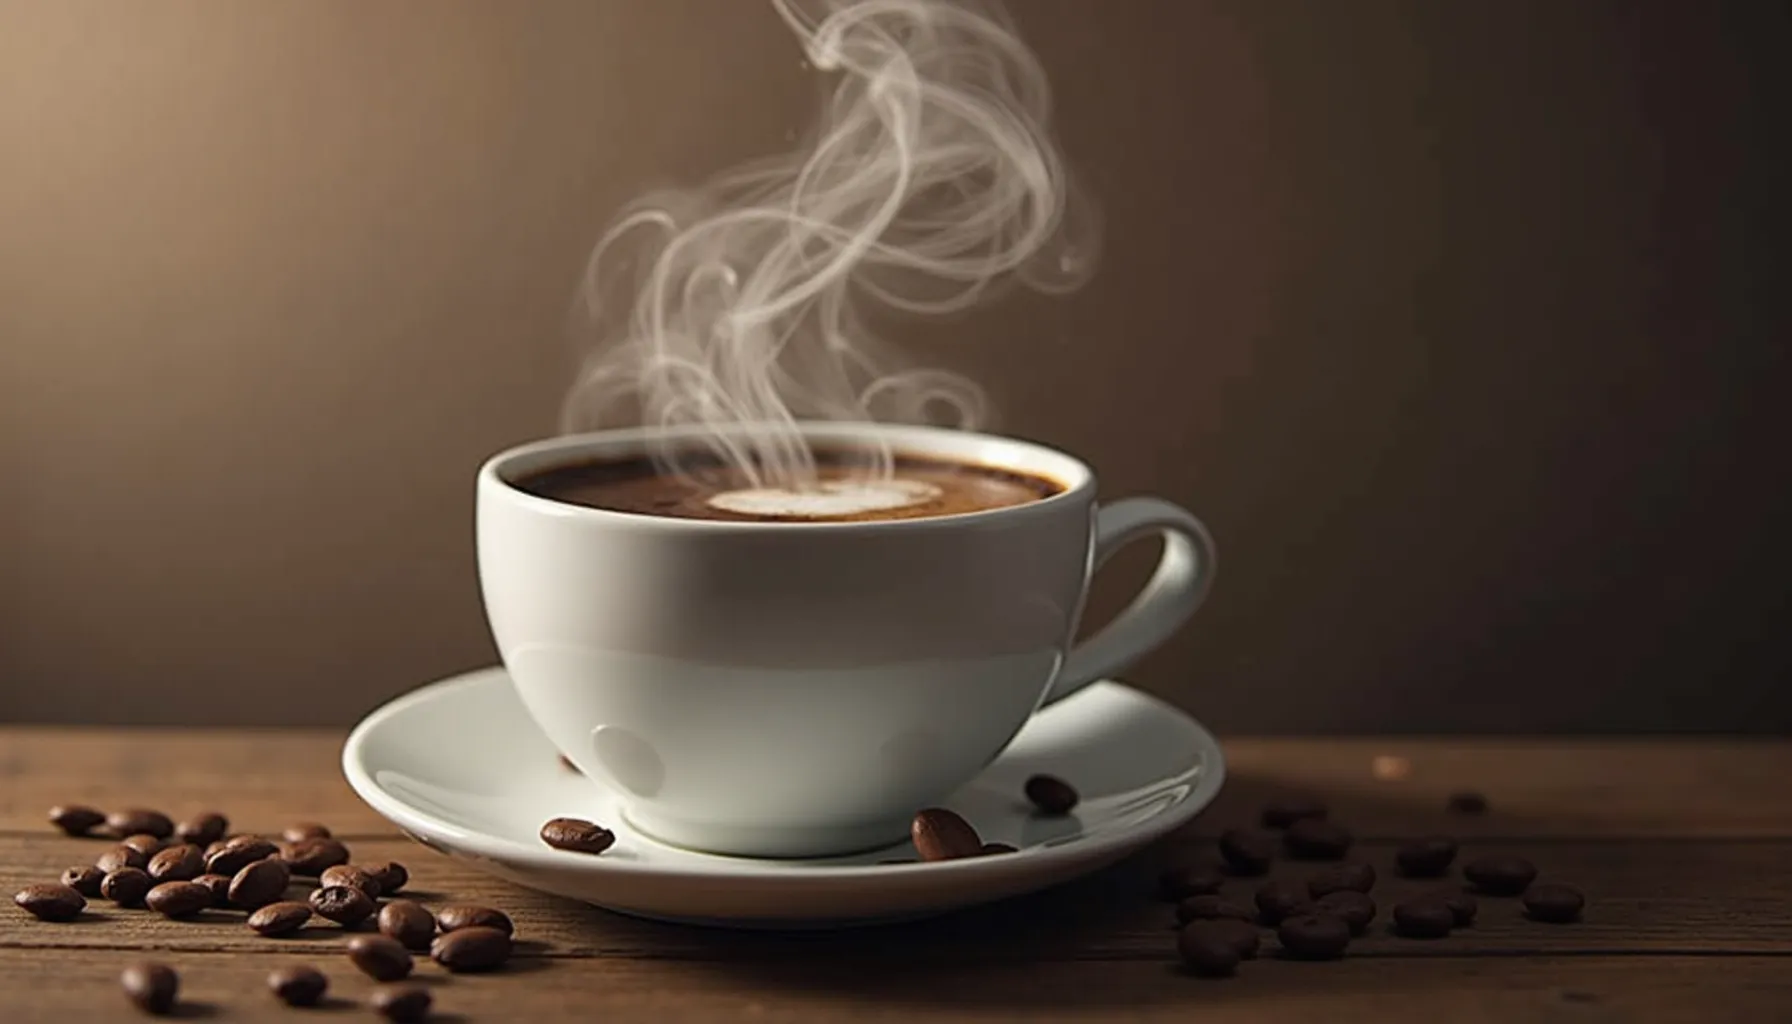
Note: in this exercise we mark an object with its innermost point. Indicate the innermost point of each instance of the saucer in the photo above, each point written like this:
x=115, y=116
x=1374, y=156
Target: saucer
x=460, y=767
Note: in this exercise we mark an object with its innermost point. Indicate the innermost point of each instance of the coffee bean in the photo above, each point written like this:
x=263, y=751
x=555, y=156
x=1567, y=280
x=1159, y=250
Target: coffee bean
x=1468, y=802
x=219, y=886
x=1208, y=950
x=1462, y=905
x=298, y=986
x=1051, y=795
x=136, y=820
x=84, y=880
x=75, y=819
x=1500, y=875
x=1354, y=908
x=1179, y=883
x=202, y=829
x=343, y=904
x=50, y=902
x=143, y=843
x=1278, y=901
x=401, y=1005
x=120, y=856
x=1247, y=853
x=1317, y=839
x=282, y=918
x=1424, y=918
x=299, y=831
x=577, y=835
x=126, y=886
x=1554, y=903
x=237, y=853
x=1315, y=936
x=152, y=987
x=380, y=957
x=1285, y=812
x=1244, y=935
x=455, y=916
x=1425, y=858
x=181, y=863
x=309, y=858
x=471, y=949
x=391, y=875
x=354, y=877
x=1353, y=877
x=259, y=884
x=1211, y=907
x=939, y=834
x=178, y=899
x=409, y=923
x=990, y=849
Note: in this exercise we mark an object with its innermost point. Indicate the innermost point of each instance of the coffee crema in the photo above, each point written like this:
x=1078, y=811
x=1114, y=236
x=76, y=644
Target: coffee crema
x=920, y=487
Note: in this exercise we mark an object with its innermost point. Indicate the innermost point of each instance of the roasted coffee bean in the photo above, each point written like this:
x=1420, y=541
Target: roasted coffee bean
x=299, y=831
x=178, y=899
x=298, y=986
x=143, y=843
x=1179, y=883
x=1207, y=949
x=1352, y=877
x=120, y=856
x=471, y=949
x=1051, y=795
x=1468, y=802
x=126, y=886
x=1244, y=934
x=391, y=875
x=237, y=853
x=1316, y=936
x=343, y=904
x=1354, y=908
x=135, y=821
x=1425, y=858
x=152, y=987
x=401, y=1005
x=50, y=902
x=939, y=834
x=75, y=819
x=995, y=848
x=1210, y=907
x=181, y=863
x=349, y=875
x=1285, y=812
x=259, y=884
x=1317, y=839
x=1278, y=901
x=577, y=835
x=219, y=886
x=309, y=858
x=84, y=880
x=1424, y=918
x=1462, y=904
x=406, y=921
x=1246, y=852
x=380, y=957
x=1500, y=875
x=455, y=916
x=202, y=830
x=282, y=918
x=1553, y=903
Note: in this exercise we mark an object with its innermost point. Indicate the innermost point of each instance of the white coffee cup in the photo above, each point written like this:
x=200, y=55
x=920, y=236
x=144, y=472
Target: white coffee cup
x=801, y=689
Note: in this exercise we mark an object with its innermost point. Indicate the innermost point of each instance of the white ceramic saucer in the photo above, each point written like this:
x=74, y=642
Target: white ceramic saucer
x=460, y=767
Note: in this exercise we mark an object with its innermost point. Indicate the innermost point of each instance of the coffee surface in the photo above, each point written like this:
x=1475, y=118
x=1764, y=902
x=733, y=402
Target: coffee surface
x=930, y=487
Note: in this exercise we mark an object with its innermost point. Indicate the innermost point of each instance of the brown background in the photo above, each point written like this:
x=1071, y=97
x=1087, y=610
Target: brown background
x=1454, y=320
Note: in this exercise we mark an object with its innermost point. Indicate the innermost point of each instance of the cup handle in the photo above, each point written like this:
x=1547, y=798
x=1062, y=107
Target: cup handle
x=1184, y=575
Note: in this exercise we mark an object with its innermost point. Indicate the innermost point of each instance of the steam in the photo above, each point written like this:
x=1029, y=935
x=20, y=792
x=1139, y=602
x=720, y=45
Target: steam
x=930, y=180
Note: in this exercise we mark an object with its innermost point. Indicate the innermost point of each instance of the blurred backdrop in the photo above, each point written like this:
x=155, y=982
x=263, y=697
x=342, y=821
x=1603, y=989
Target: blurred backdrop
x=1455, y=320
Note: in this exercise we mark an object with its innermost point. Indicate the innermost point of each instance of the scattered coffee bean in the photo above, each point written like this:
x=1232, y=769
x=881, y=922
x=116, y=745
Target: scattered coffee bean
x=995, y=848
x=1462, y=904
x=1354, y=908
x=143, y=843
x=84, y=880
x=299, y=831
x=343, y=904
x=1285, y=812
x=202, y=830
x=219, y=886
x=1317, y=839
x=1246, y=852
x=939, y=834
x=1211, y=907
x=1467, y=803
x=1424, y=918
x=1314, y=936
x=401, y=1005
x=282, y=918
x=1500, y=875
x=1179, y=883
x=178, y=899
x=1051, y=795
x=126, y=886
x=50, y=902
x=181, y=863
x=455, y=916
x=120, y=856
x=309, y=857
x=380, y=957
x=237, y=853
x=1278, y=901
x=349, y=875
x=259, y=884
x=151, y=986
x=1208, y=950
x=1553, y=903
x=1425, y=858
x=391, y=875
x=409, y=923
x=1352, y=877
x=135, y=820
x=76, y=819
x=1244, y=934
x=577, y=835
x=298, y=986
x=471, y=949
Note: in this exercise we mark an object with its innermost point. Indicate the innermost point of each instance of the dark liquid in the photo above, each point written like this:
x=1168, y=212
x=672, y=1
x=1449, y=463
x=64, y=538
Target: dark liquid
x=636, y=485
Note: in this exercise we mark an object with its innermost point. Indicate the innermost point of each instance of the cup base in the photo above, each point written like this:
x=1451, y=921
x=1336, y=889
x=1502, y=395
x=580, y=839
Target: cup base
x=769, y=842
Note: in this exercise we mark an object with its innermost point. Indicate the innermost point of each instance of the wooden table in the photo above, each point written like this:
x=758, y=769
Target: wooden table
x=1684, y=849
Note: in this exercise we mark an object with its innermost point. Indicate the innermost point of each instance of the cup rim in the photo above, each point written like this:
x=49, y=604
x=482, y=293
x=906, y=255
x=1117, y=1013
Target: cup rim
x=976, y=448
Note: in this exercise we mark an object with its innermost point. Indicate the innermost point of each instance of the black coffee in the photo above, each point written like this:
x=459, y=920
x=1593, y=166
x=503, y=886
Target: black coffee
x=922, y=487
